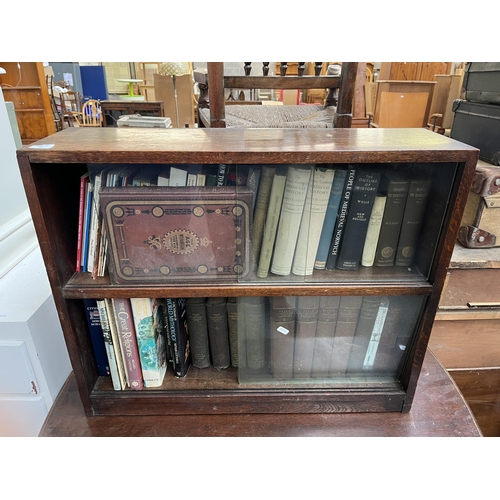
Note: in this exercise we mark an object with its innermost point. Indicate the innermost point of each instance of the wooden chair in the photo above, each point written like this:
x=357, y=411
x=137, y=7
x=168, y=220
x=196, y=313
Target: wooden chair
x=338, y=110
x=91, y=115
x=71, y=106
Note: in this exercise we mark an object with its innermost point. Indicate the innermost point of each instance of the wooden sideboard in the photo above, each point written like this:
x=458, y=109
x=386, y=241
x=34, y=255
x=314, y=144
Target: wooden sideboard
x=466, y=333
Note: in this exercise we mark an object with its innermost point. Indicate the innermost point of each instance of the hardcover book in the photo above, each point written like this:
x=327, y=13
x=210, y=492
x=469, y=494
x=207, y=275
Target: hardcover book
x=218, y=332
x=360, y=207
x=341, y=219
x=416, y=203
x=128, y=342
x=158, y=234
x=305, y=334
x=292, y=208
x=96, y=336
x=176, y=313
x=397, y=192
x=150, y=339
x=198, y=332
x=253, y=309
x=116, y=343
x=330, y=218
x=282, y=322
x=373, y=231
x=232, y=323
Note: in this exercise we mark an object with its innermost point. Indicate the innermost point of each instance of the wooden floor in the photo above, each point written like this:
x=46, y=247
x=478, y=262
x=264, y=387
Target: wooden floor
x=438, y=410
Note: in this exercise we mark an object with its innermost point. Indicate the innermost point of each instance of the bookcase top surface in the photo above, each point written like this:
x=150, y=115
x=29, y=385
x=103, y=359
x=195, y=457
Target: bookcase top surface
x=117, y=145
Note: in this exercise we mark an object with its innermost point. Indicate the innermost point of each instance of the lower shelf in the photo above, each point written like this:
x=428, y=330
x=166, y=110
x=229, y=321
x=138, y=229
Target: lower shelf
x=218, y=392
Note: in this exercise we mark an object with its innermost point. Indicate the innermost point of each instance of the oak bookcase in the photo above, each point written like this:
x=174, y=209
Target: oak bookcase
x=51, y=170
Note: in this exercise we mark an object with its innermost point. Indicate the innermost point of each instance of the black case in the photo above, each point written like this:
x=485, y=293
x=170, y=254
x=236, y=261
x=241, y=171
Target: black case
x=478, y=124
x=482, y=82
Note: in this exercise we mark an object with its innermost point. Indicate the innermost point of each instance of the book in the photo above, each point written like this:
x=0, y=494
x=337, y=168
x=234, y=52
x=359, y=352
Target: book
x=360, y=207
x=311, y=225
x=253, y=180
x=108, y=344
x=292, y=207
x=330, y=218
x=325, y=332
x=96, y=336
x=128, y=342
x=282, y=336
x=222, y=173
x=198, y=331
x=254, y=319
x=122, y=375
x=345, y=328
x=260, y=210
x=178, y=177
x=176, y=313
x=81, y=212
x=157, y=233
x=418, y=193
x=305, y=335
x=201, y=179
x=169, y=348
x=341, y=219
x=150, y=337
x=86, y=224
x=232, y=324
x=218, y=333
x=364, y=329
x=163, y=177
x=271, y=222
x=373, y=231
x=396, y=189
x=95, y=223
x=376, y=334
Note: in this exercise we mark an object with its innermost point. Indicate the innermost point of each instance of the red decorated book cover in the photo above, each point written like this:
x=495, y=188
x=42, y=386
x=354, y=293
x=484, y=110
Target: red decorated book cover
x=158, y=234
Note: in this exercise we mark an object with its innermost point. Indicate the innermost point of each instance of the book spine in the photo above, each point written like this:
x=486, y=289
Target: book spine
x=232, y=323
x=253, y=181
x=179, y=333
x=305, y=334
x=255, y=330
x=122, y=375
x=150, y=340
x=218, y=332
x=271, y=223
x=416, y=203
x=376, y=334
x=330, y=219
x=282, y=325
x=86, y=224
x=341, y=219
x=96, y=336
x=108, y=343
x=325, y=332
x=198, y=332
x=222, y=174
x=311, y=225
x=347, y=320
x=397, y=193
x=360, y=207
x=373, y=231
x=130, y=352
x=261, y=206
x=292, y=208
x=81, y=212
x=94, y=232
x=364, y=329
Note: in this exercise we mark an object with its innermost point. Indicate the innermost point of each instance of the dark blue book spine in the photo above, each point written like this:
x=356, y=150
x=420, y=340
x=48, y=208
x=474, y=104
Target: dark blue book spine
x=96, y=336
x=330, y=219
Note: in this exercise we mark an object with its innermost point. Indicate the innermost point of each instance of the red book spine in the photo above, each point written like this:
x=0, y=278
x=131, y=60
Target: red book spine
x=83, y=180
x=128, y=342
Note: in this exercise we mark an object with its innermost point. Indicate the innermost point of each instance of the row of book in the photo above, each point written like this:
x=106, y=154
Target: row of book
x=92, y=244
x=281, y=338
x=320, y=217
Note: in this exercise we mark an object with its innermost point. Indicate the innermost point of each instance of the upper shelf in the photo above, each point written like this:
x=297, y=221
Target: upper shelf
x=248, y=146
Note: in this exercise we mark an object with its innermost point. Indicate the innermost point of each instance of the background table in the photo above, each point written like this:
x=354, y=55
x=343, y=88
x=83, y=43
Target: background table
x=145, y=108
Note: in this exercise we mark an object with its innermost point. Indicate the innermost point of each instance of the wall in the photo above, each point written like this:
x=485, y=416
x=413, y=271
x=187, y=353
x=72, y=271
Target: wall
x=34, y=362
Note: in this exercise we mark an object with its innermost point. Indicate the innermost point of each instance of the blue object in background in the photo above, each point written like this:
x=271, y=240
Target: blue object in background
x=94, y=82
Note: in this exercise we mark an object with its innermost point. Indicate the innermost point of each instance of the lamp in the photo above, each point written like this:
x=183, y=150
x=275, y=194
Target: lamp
x=174, y=69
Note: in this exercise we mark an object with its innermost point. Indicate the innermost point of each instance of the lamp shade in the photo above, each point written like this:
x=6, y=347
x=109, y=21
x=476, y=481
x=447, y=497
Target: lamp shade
x=174, y=68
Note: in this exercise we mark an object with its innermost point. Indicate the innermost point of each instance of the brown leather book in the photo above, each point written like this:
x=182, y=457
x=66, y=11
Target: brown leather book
x=184, y=234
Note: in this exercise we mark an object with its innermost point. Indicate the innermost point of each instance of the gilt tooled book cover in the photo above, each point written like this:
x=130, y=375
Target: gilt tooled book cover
x=157, y=234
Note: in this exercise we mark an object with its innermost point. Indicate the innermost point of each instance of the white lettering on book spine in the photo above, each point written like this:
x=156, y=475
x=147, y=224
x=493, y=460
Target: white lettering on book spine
x=378, y=328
